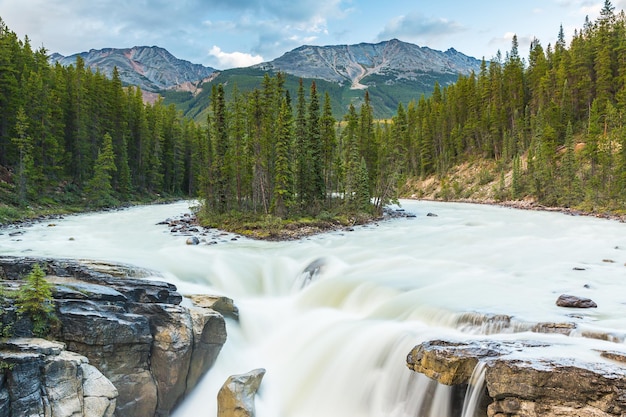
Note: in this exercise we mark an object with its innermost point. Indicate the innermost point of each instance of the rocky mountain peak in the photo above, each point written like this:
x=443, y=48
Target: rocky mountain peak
x=150, y=67
x=351, y=64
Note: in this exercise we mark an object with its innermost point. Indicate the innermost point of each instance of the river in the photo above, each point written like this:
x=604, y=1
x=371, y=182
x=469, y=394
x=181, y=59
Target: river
x=336, y=345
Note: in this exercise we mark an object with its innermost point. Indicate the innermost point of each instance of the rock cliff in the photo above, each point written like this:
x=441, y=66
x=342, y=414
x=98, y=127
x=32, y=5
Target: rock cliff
x=530, y=379
x=133, y=330
x=42, y=378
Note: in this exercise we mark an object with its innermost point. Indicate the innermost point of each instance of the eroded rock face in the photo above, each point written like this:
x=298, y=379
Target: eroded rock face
x=535, y=384
x=133, y=330
x=45, y=379
x=236, y=397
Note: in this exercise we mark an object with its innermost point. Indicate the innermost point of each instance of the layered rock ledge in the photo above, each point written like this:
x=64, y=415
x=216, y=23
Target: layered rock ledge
x=529, y=379
x=131, y=329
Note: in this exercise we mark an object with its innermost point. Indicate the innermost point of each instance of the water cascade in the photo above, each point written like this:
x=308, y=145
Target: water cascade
x=332, y=317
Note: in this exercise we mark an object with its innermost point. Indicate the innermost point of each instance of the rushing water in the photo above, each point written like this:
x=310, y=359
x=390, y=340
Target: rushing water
x=335, y=343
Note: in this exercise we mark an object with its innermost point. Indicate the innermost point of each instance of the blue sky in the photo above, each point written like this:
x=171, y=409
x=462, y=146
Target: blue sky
x=233, y=33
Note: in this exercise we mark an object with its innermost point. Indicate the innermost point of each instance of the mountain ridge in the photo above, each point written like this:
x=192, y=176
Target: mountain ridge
x=393, y=71
x=150, y=67
x=353, y=63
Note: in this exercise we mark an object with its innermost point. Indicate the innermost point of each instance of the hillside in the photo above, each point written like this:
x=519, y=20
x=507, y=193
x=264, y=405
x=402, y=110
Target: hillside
x=149, y=67
x=393, y=72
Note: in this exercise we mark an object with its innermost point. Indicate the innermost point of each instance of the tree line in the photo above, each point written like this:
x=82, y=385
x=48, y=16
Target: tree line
x=72, y=135
x=551, y=122
x=268, y=154
x=554, y=123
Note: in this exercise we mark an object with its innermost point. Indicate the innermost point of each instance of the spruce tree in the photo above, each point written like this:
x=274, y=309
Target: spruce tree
x=34, y=300
x=99, y=188
x=316, y=186
x=24, y=143
x=283, y=174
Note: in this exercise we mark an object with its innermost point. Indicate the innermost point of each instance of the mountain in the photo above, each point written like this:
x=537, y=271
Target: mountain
x=392, y=71
x=352, y=65
x=150, y=67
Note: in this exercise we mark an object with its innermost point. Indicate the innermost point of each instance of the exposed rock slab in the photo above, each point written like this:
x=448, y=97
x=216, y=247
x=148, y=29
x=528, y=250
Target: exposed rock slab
x=537, y=383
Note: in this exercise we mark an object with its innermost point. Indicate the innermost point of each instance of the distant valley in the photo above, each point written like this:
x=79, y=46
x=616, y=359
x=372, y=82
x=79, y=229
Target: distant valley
x=393, y=72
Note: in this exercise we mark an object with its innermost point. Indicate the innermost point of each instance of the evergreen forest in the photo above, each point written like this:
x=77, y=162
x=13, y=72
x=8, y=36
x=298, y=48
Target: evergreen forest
x=551, y=125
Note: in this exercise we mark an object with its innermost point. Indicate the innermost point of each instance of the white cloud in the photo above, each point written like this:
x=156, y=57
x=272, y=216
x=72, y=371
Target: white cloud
x=416, y=27
x=234, y=59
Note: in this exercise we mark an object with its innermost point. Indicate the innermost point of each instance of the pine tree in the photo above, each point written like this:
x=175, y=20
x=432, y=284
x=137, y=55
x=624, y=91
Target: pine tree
x=301, y=149
x=221, y=164
x=283, y=175
x=317, y=188
x=24, y=143
x=99, y=188
x=329, y=145
x=35, y=301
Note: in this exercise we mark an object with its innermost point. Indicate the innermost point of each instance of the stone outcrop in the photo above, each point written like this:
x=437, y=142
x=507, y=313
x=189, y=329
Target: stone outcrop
x=535, y=384
x=42, y=378
x=152, y=349
x=236, y=397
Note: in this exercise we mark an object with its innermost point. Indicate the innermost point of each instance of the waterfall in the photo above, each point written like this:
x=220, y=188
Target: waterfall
x=332, y=317
x=475, y=391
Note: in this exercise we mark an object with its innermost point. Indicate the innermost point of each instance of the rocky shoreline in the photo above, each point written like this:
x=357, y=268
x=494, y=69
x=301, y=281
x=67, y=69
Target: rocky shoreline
x=534, y=206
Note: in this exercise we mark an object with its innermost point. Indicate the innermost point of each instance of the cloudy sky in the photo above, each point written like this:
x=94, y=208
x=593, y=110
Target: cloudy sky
x=234, y=33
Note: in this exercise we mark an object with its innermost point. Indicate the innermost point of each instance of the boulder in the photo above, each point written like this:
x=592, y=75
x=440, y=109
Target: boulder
x=526, y=379
x=573, y=301
x=221, y=304
x=193, y=240
x=236, y=397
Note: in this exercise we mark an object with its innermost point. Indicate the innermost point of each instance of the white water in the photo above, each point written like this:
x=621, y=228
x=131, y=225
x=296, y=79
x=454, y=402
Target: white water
x=337, y=347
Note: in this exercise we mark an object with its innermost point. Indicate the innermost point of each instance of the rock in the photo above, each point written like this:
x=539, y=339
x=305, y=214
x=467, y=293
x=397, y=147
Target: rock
x=150, y=348
x=193, y=241
x=209, y=330
x=556, y=388
x=99, y=393
x=45, y=379
x=450, y=363
x=223, y=305
x=236, y=397
x=573, y=301
x=532, y=383
x=311, y=272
